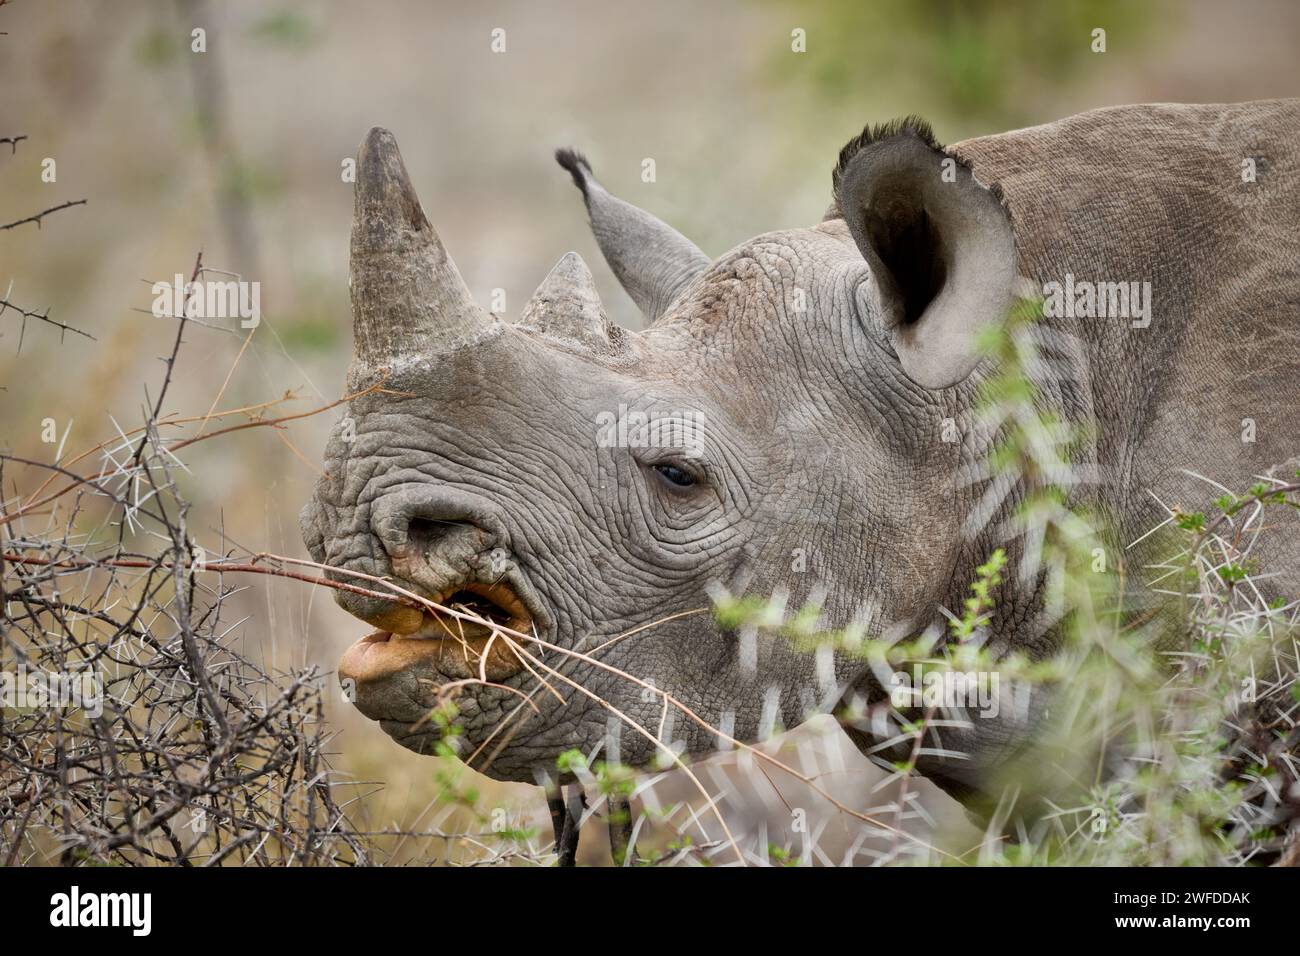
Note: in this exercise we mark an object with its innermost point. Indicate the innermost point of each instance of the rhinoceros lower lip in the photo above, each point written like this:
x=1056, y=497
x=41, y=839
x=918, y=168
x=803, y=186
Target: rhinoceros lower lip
x=455, y=647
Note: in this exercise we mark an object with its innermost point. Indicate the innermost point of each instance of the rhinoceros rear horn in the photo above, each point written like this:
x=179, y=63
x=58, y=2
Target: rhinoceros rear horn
x=408, y=299
x=939, y=245
x=652, y=260
x=567, y=306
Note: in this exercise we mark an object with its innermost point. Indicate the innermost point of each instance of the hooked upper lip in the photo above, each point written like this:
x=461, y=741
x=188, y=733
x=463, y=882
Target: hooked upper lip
x=476, y=645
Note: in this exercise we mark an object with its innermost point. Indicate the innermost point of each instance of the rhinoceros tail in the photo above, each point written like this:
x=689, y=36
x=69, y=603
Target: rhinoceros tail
x=577, y=165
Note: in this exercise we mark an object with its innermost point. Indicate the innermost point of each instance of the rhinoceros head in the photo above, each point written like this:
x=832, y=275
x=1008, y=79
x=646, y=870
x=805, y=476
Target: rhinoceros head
x=774, y=430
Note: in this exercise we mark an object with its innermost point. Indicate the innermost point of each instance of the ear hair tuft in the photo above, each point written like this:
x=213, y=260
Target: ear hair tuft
x=911, y=124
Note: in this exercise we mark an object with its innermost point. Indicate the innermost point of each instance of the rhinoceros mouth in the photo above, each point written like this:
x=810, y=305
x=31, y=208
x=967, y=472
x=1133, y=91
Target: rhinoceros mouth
x=474, y=634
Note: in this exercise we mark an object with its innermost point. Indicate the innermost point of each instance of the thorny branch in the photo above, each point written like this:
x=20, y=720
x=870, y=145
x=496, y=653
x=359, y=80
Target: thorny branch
x=37, y=217
x=175, y=747
x=25, y=314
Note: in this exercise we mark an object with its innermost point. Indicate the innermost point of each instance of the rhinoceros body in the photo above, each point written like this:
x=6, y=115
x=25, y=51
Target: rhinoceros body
x=784, y=425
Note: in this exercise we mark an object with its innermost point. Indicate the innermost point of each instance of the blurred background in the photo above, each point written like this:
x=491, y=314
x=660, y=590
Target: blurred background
x=238, y=152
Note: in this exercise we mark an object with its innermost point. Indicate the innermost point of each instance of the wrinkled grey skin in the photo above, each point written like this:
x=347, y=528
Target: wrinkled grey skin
x=824, y=362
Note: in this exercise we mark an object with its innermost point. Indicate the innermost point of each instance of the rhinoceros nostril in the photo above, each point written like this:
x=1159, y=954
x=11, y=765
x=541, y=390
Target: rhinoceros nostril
x=443, y=528
x=444, y=546
x=424, y=534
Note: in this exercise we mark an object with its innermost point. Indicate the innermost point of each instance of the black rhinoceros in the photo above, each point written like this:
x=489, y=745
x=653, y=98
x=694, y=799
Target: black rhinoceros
x=778, y=426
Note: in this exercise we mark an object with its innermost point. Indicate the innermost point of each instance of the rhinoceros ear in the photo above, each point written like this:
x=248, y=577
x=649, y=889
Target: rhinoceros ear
x=939, y=245
x=652, y=260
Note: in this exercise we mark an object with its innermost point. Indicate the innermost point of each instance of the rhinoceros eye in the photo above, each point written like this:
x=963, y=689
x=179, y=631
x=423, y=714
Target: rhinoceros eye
x=675, y=476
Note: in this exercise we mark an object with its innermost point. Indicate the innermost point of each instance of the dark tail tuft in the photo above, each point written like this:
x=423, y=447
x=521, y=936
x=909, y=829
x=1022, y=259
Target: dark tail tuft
x=577, y=165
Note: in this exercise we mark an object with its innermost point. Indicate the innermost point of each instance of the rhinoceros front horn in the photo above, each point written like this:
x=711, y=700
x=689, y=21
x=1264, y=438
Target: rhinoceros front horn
x=408, y=299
